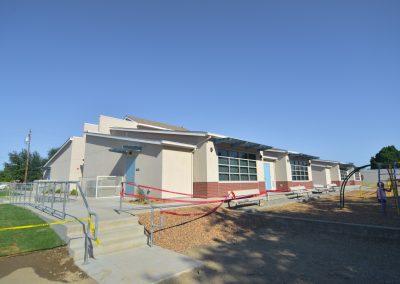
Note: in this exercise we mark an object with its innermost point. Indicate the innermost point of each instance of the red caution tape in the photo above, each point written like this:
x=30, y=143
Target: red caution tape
x=174, y=192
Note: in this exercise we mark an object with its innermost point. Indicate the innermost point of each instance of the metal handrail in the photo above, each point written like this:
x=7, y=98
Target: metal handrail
x=38, y=203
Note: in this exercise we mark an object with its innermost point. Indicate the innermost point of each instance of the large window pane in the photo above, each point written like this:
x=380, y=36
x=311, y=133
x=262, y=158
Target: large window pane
x=223, y=161
x=236, y=166
x=244, y=170
x=299, y=170
x=223, y=177
x=244, y=177
x=234, y=177
x=223, y=169
x=234, y=170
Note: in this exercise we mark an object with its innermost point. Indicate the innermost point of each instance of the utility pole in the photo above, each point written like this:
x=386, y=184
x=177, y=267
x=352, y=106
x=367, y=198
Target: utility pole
x=28, y=140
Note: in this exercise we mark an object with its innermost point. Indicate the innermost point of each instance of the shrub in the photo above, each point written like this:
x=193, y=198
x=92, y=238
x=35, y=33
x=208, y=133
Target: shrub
x=74, y=192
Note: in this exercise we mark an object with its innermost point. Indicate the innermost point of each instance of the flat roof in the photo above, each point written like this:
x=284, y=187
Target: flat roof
x=234, y=142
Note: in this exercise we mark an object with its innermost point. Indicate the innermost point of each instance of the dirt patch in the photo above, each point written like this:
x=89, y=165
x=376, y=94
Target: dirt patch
x=360, y=207
x=182, y=234
x=50, y=265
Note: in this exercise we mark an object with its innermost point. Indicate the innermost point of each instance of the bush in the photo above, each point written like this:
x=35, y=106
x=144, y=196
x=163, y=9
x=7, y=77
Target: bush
x=74, y=192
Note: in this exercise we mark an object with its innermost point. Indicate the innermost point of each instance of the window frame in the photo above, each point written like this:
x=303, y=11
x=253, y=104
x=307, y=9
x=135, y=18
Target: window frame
x=245, y=170
x=300, y=170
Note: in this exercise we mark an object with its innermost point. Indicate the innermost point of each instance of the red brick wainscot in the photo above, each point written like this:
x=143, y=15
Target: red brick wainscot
x=211, y=189
x=285, y=185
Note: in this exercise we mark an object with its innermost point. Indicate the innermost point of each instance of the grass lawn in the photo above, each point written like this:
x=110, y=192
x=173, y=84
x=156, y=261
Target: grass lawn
x=3, y=193
x=24, y=240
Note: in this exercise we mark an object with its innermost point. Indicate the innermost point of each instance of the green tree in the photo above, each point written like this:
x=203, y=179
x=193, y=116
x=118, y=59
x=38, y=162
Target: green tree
x=386, y=155
x=51, y=153
x=14, y=169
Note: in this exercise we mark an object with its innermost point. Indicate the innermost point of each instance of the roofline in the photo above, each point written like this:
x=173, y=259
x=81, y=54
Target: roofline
x=161, y=131
x=307, y=156
x=145, y=141
x=59, y=150
x=325, y=161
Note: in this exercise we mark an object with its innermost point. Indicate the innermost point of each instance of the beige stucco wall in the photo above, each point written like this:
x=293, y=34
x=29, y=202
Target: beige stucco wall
x=77, y=156
x=193, y=140
x=335, y=173
x=105, y=122
x=99, y=161
x=200, y=162
x=282, y=169
x=177, y=171
x=319, y=175
x=61, y=165
x=89, y=127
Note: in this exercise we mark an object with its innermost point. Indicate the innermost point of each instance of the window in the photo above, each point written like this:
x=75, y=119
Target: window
x=299, y=170
x=343, y=174
x=357, y=176
x=236, y=166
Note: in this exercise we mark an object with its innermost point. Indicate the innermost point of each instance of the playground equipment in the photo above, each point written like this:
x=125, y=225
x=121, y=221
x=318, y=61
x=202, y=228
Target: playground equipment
x=392, y=182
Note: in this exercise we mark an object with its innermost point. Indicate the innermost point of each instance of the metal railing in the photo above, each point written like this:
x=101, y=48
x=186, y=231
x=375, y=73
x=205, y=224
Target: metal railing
x=145, y=193
x=44, y=195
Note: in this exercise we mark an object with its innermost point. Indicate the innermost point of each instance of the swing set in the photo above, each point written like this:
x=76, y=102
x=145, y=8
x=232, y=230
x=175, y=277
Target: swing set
x=383, y=170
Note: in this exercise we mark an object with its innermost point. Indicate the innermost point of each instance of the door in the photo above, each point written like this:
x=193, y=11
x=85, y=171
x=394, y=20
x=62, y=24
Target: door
x=267, y=176
x=130, y=173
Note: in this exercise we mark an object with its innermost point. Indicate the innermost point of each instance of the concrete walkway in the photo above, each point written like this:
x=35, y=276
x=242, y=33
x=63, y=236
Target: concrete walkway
x=139, y=265
x=142, y=264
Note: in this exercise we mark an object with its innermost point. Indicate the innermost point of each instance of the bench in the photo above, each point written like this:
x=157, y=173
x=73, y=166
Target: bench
x=298, y=191
x=319, y=188
x=332, y=186
x=238, y=197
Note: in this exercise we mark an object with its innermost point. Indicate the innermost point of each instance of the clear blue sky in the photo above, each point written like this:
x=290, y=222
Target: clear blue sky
x=319, y=77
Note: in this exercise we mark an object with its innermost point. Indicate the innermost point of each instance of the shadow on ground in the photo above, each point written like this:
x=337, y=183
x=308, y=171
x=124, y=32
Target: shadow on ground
x=258, y=249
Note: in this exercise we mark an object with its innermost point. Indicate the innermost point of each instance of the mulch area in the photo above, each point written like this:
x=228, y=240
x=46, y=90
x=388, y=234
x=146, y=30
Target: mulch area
x=53, y=265
x=360, y=207
x=181, y=233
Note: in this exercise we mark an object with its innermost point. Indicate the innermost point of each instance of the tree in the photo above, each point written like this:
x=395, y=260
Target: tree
x=15, y=169
x=51, y=153
x=386, y=155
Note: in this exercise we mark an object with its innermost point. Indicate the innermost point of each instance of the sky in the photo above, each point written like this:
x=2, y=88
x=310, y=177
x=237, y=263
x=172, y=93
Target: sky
x=313, y=76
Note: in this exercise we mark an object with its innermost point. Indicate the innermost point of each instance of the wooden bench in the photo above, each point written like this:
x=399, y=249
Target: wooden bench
x=298, y=191
x=240, y=194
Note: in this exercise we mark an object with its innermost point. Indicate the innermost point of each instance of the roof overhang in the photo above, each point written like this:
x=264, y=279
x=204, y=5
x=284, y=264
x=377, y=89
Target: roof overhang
x=161, y=131
x=346, y=165
x=323, y=163
x=145, y=141
x=295, y=155
x=63, y=146
x=233, y=142
x=127, y=149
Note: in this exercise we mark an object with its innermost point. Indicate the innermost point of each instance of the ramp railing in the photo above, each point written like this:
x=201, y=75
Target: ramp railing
x=52, y=197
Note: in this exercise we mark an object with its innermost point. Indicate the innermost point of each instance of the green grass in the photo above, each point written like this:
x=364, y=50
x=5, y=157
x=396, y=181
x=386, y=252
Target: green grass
x=24, y=240
x=3, y=193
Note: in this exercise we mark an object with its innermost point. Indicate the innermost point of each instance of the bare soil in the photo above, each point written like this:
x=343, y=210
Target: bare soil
x=51, y=266
x=182, y=234
x=238, y=247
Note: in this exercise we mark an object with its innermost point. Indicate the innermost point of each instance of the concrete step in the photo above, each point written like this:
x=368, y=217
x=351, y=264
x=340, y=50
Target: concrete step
x=111, y=236
x=76, y=228
x=108, y=247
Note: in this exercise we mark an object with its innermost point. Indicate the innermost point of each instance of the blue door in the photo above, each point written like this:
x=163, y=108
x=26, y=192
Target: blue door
x=267, y=176
x=130, y=173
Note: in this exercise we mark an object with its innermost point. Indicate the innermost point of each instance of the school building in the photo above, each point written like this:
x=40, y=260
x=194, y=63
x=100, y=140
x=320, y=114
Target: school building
x=171, y=157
